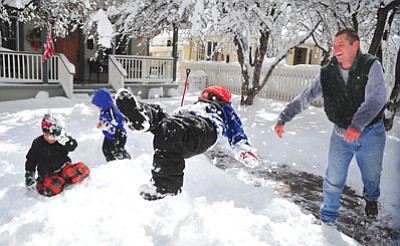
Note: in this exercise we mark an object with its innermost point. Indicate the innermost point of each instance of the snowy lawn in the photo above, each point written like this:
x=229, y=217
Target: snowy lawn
x=215, y=207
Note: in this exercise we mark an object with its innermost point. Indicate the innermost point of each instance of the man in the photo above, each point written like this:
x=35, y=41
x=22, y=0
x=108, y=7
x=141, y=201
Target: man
x=189, y=131
x=354, y=95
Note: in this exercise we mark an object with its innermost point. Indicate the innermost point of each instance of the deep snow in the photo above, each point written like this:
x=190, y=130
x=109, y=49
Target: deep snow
x=215, y=207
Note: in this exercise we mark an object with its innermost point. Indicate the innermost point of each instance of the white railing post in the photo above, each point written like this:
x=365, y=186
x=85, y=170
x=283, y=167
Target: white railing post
x=66, y=71
x=116, y=72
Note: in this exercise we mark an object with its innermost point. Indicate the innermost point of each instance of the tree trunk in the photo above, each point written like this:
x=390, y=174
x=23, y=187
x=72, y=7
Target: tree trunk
x=380, y=26
x=250, y=91
x=245, y=76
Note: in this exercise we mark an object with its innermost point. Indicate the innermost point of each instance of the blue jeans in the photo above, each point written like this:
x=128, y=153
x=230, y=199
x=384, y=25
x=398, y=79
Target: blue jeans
x=368, y=150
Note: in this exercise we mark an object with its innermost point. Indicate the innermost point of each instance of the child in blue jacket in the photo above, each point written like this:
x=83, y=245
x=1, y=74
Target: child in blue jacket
x=189, y=131
x=111, y=122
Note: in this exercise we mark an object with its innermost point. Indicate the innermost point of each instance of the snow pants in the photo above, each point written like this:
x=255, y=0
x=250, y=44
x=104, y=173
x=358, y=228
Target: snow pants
x=175, y=138
x=115, y=149
x=53, y=184
x=368, y=150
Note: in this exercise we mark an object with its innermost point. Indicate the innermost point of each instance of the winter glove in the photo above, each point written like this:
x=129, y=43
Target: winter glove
x=279, y=130
x=351, y=135
x=30, y=180
x=246, y=155
x=62, y=138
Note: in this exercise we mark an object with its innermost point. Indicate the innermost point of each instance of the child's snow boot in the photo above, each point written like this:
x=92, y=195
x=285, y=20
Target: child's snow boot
x=151, y=193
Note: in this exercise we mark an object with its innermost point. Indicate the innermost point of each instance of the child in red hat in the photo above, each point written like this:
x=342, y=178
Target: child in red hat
x=189, y=131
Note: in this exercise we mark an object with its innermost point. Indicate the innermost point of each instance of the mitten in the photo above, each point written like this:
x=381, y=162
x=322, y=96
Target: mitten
x=30, y=180
x=246, y=155
x=62, y=138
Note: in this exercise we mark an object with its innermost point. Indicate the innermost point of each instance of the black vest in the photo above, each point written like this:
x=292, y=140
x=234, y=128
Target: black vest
x=341, y=100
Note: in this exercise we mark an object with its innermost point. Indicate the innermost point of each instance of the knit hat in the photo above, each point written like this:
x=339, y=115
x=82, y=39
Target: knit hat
x=52, y=124
x=216, y=93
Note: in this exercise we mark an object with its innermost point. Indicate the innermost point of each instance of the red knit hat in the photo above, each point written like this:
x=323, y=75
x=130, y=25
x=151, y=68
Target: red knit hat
x=51, y=124
x=216, y=93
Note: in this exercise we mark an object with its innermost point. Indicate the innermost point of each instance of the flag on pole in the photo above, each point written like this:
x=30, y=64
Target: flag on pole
x=49, y=47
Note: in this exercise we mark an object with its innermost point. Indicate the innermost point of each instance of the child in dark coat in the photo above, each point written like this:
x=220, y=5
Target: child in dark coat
x=190, y=131
x=111, y=122
x=49, y=156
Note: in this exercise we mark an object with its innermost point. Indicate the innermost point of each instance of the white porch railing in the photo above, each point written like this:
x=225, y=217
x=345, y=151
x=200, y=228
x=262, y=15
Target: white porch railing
x=21, y=67
x=141, y=74
x=145, y=69
x=285, y=83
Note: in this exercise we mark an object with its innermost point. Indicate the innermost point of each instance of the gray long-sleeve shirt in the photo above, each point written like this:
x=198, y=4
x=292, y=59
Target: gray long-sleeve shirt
x=375, y=99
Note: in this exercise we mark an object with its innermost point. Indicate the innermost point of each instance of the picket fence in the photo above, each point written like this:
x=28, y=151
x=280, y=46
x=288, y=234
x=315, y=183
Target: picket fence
x=285, y=83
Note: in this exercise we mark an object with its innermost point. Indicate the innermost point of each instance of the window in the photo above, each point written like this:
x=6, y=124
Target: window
x=9, y=31
x=200, y=51
x=211, y=50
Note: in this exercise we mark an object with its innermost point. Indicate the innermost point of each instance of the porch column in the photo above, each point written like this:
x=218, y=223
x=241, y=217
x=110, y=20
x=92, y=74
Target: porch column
x=175, y=52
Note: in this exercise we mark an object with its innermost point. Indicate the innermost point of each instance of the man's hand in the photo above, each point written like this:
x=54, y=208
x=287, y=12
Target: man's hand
x=351, y=135
x=279, y=130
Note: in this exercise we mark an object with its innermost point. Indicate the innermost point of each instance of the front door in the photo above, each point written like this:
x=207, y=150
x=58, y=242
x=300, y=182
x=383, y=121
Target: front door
x=69, y=46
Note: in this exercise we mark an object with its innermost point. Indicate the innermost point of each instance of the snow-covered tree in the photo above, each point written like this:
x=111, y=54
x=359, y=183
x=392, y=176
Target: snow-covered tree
x=261, y=31
x=371, y=19
x=383, y=23
x=62, y=15
x=136, y=18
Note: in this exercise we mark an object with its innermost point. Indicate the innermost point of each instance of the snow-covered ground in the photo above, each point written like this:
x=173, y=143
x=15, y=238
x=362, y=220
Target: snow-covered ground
x=215, y=207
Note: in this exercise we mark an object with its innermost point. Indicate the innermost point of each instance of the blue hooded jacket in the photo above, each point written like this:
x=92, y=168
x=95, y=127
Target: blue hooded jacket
x=110, y=118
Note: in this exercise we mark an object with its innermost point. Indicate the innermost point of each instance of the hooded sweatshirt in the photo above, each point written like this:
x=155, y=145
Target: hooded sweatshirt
x=110, y=118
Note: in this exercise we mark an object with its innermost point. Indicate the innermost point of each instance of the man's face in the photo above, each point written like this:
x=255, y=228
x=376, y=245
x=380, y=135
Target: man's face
x=345, y=52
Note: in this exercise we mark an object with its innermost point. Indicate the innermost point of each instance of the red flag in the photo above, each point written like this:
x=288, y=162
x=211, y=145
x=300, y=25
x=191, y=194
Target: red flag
x=49, y=47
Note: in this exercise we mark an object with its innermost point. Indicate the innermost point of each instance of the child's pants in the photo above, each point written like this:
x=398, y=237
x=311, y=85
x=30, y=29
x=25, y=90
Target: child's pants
x=115, y=149
x=53, y=184
x=177, y=138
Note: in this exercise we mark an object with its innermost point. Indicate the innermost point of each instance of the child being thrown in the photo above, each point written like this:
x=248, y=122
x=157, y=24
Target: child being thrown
x=189, y=131
x=49, y=156
x=111, y=122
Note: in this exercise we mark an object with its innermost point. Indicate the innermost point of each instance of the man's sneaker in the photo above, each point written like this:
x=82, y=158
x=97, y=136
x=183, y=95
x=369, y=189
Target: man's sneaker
x=133, y=111
x=371, y=209
x=151, y=193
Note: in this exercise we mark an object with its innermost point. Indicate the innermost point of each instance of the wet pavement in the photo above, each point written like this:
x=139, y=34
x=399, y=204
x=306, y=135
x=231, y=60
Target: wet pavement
x=305, y=190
